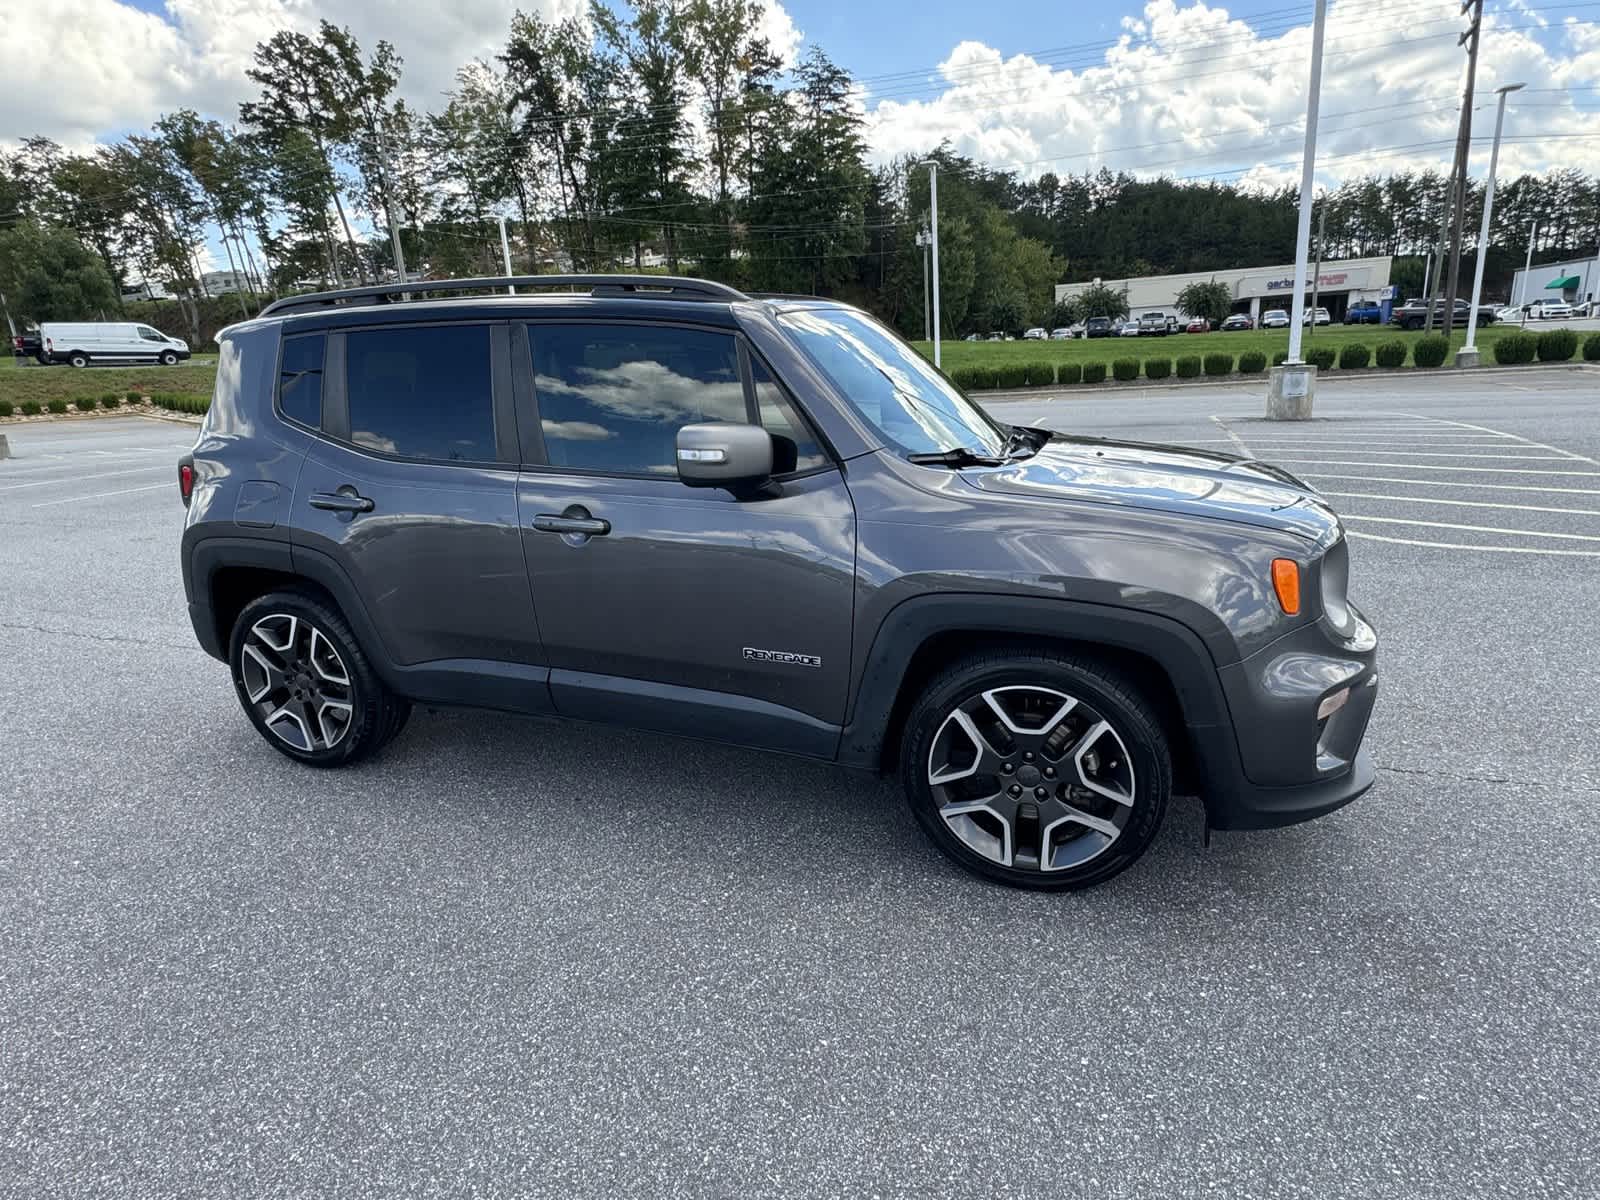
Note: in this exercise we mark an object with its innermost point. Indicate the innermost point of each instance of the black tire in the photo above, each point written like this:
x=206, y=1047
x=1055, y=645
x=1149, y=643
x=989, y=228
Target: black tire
x=376, y=714
x=1102, y=695
x=78, y=359
x=168, y=359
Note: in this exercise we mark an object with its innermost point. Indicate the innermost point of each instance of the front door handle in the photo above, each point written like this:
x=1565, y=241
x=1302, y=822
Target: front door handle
x=345, y=500
x=561, y=523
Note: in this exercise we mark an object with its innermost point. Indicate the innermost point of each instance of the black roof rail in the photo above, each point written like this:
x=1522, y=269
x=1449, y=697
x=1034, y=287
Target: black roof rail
x=666, y=287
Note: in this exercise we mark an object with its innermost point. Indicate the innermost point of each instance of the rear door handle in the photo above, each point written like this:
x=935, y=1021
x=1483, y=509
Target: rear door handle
x=557, y=523
x=345, y=500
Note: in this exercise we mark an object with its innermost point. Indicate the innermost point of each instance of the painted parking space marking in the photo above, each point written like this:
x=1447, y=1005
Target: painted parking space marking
x=101, y=495
x=1375, y=537
x=1456, y=483
x=1345, y=462
x=79, y=478
x=1539, y=533
x=1438, y=500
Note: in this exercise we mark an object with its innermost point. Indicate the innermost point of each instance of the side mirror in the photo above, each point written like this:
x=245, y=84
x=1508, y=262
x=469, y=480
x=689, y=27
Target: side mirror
x=724, y=454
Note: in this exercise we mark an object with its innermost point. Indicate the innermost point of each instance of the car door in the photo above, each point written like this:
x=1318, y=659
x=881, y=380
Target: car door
x=691, y=610
x=408, y=498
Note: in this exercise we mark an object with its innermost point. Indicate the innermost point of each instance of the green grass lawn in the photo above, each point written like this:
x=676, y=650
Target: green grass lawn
x=1106, y=350
x=33, y=382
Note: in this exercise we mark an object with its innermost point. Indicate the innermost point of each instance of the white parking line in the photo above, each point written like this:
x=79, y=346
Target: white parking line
x=1238, y=442
x=1428, y=500
x=1454, y=483
x=14, y=487
x=1454, y=454
x=1525, y=441
x=1345, y=462
x=1378, y=537
x=101, y=495
x=1571, y=537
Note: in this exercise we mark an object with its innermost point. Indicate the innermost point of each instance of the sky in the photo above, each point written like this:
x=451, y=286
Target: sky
x=1189, y=88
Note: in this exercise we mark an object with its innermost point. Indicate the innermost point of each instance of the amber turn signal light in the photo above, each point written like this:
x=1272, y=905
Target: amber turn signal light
x=1286, y=582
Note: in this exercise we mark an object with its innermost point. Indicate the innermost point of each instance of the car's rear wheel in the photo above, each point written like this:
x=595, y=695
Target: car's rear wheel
x=1037, y=769
x=305, y=683
x=78, y=358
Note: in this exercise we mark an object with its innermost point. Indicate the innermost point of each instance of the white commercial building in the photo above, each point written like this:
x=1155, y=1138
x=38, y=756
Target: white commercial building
x=224, y=283
x=1576, y=280
x=1255, y=289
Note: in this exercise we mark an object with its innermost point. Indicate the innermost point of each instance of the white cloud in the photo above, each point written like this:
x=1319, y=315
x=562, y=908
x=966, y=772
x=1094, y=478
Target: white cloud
x=1189, y=90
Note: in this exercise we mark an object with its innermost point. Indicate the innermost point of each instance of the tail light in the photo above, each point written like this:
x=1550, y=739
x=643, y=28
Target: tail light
x=186, y=481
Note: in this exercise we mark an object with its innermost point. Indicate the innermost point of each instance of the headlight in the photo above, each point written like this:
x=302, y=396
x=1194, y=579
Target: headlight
x=1335, y=574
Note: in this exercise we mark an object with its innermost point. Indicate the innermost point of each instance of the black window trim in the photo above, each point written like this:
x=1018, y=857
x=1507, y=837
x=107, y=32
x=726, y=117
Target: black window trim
x=335, y=427
x=534, y=455
x=277, y=380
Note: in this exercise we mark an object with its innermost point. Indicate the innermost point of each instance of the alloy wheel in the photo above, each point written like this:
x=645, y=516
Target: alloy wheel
x=1031, y=778
x=297, y=683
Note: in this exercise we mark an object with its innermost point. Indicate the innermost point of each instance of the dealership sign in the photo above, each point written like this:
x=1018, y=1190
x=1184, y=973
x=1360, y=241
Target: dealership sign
x=1275, y=285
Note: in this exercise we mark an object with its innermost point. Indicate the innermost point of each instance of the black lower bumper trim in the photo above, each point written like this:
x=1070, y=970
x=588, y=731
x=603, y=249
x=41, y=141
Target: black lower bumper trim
x=1274, y=807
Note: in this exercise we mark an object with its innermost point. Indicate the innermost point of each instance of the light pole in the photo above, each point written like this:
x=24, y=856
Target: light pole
x=1467, y=356
x=933, y=204
x=1527, y=269
x=505, y=255
x=1290, y=387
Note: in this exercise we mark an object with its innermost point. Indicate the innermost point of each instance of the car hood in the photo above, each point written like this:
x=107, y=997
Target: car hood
x=1166, y=479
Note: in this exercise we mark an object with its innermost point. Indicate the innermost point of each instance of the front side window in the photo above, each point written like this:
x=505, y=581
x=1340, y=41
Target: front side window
x=150, y=335
x=613, y=397
x=300, y=379
x=778, y=417
x=897, y=391
x=422, y=392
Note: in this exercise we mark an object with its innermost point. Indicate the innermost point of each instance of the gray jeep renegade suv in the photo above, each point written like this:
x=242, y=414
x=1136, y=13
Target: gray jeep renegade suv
x=664, y=504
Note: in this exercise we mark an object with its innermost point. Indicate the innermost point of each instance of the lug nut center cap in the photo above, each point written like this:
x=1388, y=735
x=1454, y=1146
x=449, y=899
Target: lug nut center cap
x=1027, y=776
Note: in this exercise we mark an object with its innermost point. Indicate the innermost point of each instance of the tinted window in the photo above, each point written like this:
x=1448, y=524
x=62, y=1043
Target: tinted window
x=300, y=379
x=150, y=335
x=779, y=418
x=613, y=397
x=422, y=392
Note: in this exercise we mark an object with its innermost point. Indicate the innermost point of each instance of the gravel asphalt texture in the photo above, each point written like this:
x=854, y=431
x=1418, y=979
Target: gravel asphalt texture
x=514, y=958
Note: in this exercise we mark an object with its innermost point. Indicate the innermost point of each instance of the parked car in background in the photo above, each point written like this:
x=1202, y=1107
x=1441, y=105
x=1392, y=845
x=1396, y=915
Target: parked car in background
x=1061, y=334
x=1198, y=325
x=1034, y=335
x=1097, y=327
x=972, y=337
x=995, y=337
x=1550, y=310
x=1275, y=318
x=1041, y=636
x=1156, y=324
x=1237, y=322
x=28, y=344
x=1316, y=316
x=1587, y=308
x=1413, y=314
x=1509, y=313
x=1130, y=329
x=80, y=343
x=1364, y=312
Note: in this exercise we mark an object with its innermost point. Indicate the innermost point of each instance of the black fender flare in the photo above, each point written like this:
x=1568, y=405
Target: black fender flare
x=1170, y=644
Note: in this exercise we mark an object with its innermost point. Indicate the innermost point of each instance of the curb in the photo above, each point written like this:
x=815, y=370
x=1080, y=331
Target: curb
x=1070, y=391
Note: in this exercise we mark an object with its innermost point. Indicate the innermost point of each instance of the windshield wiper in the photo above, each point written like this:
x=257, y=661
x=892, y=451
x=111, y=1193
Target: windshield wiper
x=961, y=456
x=1024, y=442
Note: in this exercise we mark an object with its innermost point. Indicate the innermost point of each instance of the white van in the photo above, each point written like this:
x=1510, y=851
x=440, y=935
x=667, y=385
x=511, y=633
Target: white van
x=83, y=342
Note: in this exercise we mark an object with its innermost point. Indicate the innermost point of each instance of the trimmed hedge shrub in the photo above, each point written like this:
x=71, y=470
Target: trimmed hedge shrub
x=111, y=400
x=1094, y=372
x=1354, y=355
x=1391, y=353
x=1013, y=375
x=5, y=408
x=968, y=378
x=1070, y=373
x=1322, y=357
x=1431, y=351
x=1188, y=366
x=1557, y=345
x=86, y=404
x=1591, y=348
x=135, y=398
x=1157, y=368
x=1125, y=369
x=1514, y=348
x=1252, y=362
x=30, y=408
x=1280, y=357
x=58, y=406
x=1040, y=374
x=1219, y=364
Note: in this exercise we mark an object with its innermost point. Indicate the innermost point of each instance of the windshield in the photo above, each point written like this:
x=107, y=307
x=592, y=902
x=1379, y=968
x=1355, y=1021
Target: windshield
x=897, y=391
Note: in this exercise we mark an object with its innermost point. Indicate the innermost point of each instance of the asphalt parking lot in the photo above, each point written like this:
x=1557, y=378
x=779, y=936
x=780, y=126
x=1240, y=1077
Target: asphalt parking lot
x=512, y=958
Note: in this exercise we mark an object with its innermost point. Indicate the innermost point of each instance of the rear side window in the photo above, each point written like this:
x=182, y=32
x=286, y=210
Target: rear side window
x=422, y=392
x=613, y=397
x=300, y=379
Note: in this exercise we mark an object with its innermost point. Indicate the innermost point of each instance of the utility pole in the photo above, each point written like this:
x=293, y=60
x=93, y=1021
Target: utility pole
x=933, y=204
x=1316, y=274
x=1470, y=39
x=505, y=255
x=388, y=210
x=1427, y=275
x=925, y=239
x=1468, y=355
x=1436, y=255
x=1527, y=268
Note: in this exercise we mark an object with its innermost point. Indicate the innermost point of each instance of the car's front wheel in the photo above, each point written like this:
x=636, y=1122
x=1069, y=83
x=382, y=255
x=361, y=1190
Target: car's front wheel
x=168, y=358
x=305, y=683
x=1037, y=769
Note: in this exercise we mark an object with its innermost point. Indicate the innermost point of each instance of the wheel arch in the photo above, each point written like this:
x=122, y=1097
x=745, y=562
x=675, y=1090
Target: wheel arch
x=1162, y=657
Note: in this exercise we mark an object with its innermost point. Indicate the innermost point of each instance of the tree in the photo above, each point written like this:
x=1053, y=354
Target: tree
x=1008, y=313
x=46, y=273
x=1210, y=299
x=1098, y=300
x=1066, y=312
